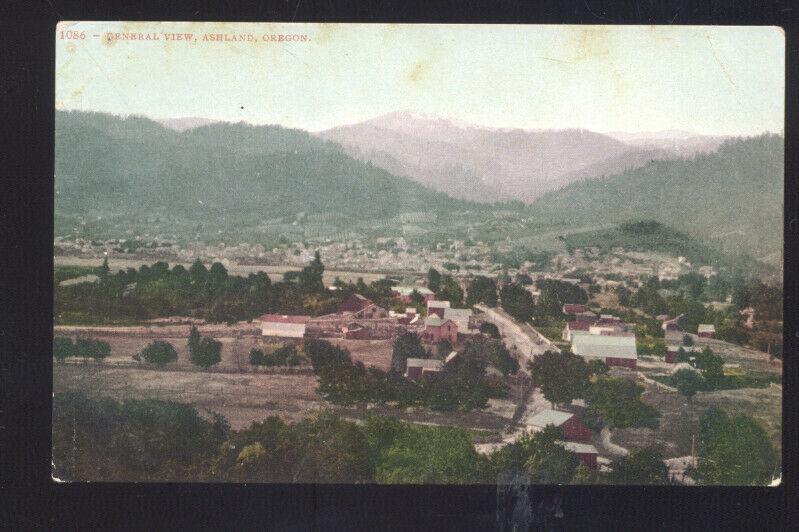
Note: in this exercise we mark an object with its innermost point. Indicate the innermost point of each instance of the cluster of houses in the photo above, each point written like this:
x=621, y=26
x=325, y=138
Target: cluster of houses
x=358, y=318
x=604, y=337
x=674, y=333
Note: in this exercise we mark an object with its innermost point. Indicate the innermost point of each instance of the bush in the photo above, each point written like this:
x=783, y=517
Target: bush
x=63, y=347
x=688, y=382
x=687, y=340
x=91, y=348
x=159, y=352
x=256, y=357
x=490, y=329
x=204, y=352
x=617, y=403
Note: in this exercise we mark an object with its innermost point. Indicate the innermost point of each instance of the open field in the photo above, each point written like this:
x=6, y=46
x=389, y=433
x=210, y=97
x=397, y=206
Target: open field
x=241, y=398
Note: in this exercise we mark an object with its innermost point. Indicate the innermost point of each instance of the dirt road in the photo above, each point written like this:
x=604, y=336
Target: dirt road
x=528, y=341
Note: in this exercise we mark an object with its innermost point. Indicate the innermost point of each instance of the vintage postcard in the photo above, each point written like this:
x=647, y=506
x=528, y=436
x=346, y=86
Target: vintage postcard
x=418, y=254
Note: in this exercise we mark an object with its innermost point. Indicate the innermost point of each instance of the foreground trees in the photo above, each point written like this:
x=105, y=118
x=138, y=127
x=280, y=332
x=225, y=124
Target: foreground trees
x=159, y=352
x=734, y=451
x=562, y=376
x=640, y=467
x=203, y=352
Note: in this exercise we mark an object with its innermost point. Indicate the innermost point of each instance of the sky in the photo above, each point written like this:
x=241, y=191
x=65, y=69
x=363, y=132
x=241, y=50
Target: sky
x=702, y=79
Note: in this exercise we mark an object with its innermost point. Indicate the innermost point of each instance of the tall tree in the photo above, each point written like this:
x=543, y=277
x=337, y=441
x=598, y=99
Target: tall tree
x=482, y=290
x=433, y=279
x=562, y=376
x=734, y=451
x=640, y=467
x=517, y=302
x=450, y=290
x=407, y=345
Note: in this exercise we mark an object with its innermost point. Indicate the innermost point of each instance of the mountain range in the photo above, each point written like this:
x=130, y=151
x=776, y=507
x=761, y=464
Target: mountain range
x=495, y=164
x=727, y=193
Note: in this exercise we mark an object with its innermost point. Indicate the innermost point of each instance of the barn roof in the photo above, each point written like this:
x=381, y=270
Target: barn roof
x=550, y=417
x=438, y=304
x=408, y=290
x=282, y=318
x=604, y=346
x=576, y=447
x=705, y=327
x=424, y=363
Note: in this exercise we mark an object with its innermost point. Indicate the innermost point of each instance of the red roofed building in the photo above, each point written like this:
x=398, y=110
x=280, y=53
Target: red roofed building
x=570, y=308
x=570, y=425
x=361, y=307
x=436, y=329
x=575, y=326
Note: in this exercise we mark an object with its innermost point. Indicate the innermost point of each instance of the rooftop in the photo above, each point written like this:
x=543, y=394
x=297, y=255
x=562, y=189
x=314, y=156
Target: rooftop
x=283, y=318
x=705, y=327
x=596, y=345
x=575, y=447
x=549, y=417
x=424, y=363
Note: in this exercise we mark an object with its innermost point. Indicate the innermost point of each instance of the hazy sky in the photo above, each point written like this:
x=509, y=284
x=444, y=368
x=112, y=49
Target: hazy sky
x=726, y=80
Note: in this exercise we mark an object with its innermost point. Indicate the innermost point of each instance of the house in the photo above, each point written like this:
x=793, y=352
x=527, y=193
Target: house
x=437, y=307
x=437, y=329
x=570, y=425
x=585, y=452
x=404, y=293
x=570, y=308
x=672, y=351
x=672, y=324
x=361, y=307
x=615, y=350
x=282, y=325
x=419, y=367
x=705, y=330
x=461, y=317
x=572, y=326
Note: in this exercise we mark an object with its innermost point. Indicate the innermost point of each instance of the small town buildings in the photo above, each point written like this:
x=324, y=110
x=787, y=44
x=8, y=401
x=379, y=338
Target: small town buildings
x=282, y=325
x=461, y=317
x=437, y=329
x=586, y=453
x=416, y=368
x=672, y=324
x=437, y=307
x=615, y=350
x=361, y=307
x=570, y=308
x=706, y=330
x=404, y=293
x=570, y=425
x=572, y=326
x=673, y=350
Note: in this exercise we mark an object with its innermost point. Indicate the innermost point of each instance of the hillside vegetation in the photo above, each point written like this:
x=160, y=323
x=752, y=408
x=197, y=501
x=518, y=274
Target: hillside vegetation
x=731, y=199
x=222, y=175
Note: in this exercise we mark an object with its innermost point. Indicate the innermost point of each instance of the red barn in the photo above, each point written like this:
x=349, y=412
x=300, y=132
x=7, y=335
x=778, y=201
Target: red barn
x=416, y=368
x=355, y=303
x=436, y=329
x=573, y=308
x=585, y=452
x=570, y=425
x=706, y=330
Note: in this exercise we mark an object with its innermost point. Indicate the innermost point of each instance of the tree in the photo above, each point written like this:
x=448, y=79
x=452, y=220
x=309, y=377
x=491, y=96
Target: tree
x=597, y=366
x=538, y=455
x=63, y=347
x=711, y=366
x=517, y=302
x=407, y=345
x=204, y=352
x=490, y=329
x=433, y=280
x=159, y=352
x=562, y=377
x=734, y=451
x=194, y=342
x=687, y=340
x=450, y=290
x=323, y=354
x=640, y=467
x=443, y=348
x=104, y=270
x=91, y=348
x=688, y=382
x=616, y=402
x=310, y=278
x=482, y=290
x=682, y=355
x=256, y=357
x=198, y=272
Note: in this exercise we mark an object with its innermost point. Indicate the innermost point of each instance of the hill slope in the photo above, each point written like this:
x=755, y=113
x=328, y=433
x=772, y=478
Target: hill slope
x=731, y=199
x=223, y=174
x=474, y=162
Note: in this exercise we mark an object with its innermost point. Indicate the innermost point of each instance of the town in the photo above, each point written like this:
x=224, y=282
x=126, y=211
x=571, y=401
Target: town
x=609, y=365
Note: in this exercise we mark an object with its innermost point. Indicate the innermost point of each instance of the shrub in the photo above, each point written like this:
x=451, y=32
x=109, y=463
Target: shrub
x=159, y=352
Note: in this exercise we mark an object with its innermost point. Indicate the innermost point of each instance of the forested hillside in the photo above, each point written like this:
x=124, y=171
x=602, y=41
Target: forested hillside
x=226, y=175
x=731, y=199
